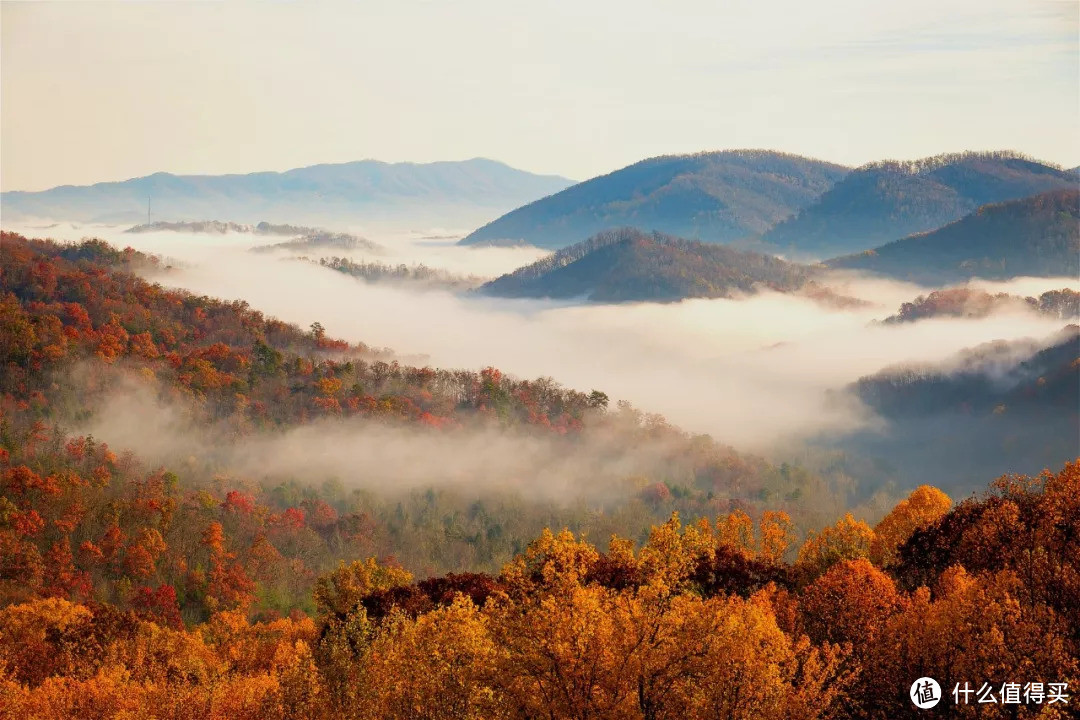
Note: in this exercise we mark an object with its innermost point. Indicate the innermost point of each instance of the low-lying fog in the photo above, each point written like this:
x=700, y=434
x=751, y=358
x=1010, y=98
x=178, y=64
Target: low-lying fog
x=752, y=372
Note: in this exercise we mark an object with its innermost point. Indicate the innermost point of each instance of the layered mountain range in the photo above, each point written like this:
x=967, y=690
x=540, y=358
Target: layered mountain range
x=778, y=203
x=336, y=195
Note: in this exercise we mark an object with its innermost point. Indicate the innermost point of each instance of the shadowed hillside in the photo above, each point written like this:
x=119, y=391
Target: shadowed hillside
x=1037, y=236
x=627, y=265
x=1014, y=401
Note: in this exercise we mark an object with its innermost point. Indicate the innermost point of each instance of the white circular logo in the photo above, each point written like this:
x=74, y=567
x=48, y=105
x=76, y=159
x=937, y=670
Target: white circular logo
x=925, y=693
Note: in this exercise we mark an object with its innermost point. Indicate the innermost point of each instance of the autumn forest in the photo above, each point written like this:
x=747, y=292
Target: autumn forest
x=708, y=585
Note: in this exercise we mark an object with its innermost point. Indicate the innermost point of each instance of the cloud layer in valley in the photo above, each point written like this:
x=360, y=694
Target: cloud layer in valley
x=752, y=372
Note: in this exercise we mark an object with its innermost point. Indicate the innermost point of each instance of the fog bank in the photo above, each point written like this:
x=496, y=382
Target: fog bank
x=753, y=372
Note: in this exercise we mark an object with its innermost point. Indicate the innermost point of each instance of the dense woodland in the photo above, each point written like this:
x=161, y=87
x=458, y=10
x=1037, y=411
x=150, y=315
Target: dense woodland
x=884, y=201
x=713, y=197
x=1037, y=236
x=629, y=265
x=135, y=590
x=704, y=620
x=963, y=302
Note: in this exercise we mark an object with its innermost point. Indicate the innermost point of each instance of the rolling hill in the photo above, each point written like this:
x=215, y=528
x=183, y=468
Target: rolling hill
x=713, y=197
x=630, y=265
x=887, y=200
x=356, y=192
x=1038, y=236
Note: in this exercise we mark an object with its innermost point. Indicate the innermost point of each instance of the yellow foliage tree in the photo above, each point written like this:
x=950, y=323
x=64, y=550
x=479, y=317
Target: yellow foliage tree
x=846, y=540
x=439, y=665
x=925, y=505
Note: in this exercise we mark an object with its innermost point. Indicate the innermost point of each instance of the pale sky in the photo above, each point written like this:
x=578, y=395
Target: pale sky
x=106, y=91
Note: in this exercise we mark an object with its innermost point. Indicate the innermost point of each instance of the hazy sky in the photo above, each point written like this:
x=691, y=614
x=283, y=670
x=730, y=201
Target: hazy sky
x=102, y=91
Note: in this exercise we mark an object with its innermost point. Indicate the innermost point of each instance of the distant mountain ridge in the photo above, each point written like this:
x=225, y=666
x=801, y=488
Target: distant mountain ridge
x=1038, y=236
x=713, y=197
x=466, y=191
x=626, y=265
x=219, y=227
x=887, y=200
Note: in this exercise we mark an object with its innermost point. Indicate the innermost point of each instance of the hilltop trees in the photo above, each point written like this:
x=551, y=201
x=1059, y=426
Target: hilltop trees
x=923, y=507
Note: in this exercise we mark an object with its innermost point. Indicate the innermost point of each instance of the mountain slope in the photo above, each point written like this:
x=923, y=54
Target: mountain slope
x=1037, y=236
x=348, y=192
x=1020, y=377
x=627, y=265
x=889, y=200
x=714, y=197
x=1012, y=404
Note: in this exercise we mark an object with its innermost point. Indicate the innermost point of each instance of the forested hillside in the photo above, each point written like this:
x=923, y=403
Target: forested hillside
x=78, y=329
x=1037, y=236
x=1011, y=404
x=630, y=265
x=703, y=621
x=713, y=197
x=884, y=201
x=976, y=383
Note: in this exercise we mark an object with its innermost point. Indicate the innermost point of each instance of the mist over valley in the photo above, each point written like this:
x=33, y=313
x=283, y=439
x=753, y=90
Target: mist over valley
x=591, y=361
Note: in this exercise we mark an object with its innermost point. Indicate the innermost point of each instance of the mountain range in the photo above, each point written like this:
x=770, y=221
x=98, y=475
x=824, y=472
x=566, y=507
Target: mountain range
x=367, y=191
x=714, y=197
x=769, y=202
x=1036, y=236
x=777, y=203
